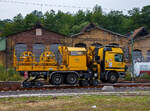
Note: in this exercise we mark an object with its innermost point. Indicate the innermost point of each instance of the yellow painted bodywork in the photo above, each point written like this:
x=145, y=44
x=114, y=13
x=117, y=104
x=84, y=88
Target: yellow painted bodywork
x=70, y=62
x=72, y=59
x=110, y=63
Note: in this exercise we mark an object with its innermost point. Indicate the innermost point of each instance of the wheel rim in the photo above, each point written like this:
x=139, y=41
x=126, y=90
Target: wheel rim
x=72, y=79
x=113, y=78
x=57, y=79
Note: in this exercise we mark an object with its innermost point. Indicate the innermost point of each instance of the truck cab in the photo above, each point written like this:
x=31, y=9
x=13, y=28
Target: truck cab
x=111, y=61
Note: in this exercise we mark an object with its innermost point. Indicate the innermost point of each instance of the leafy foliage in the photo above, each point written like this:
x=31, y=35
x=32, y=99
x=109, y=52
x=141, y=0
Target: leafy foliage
x=69, y=24
x=9, y=74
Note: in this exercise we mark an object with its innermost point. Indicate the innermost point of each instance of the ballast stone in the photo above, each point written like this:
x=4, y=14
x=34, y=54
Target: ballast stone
x=108, y=88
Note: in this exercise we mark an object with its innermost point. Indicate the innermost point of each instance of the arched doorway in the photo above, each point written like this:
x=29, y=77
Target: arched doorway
x=80, y=45
x=97, y=45
x=137, y=55
x=148, y=55
x=114, y=44
x=19, y=49
x=38, y=49
x=55, y=50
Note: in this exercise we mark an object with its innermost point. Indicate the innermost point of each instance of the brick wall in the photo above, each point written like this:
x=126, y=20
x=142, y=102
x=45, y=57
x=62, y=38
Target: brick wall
x=29, y=37
x=99, y=36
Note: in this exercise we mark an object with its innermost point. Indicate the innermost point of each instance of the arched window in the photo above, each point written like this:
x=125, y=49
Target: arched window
x=80, y=45
x=148, y=55
x=19, y=49
x=38, y=49
x=114, y=44
x=55, y=50
x=137, y=55
x=97, y=45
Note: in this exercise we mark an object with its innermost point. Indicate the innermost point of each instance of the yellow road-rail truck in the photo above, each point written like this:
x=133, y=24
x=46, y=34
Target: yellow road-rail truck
x=71, y=65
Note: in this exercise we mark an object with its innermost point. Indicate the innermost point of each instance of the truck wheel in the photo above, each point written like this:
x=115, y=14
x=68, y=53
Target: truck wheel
x=56, y=79
x=72, y=79
x=84, y=83
x=112, y=77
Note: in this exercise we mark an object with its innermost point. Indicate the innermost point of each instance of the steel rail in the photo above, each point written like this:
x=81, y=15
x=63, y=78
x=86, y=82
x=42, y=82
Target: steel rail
x=14, y=86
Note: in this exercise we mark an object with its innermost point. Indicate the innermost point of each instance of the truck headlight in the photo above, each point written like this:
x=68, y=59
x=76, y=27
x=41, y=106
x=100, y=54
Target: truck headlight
x=95, y=75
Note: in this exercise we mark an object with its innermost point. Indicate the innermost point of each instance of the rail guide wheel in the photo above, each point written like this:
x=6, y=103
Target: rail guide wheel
x=26, y=85
x=94, y=82
x=35, y=84
x=84, y=83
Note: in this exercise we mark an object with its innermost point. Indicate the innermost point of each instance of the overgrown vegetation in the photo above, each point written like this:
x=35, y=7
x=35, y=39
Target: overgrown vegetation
x=128, y=76
x=68, y=24
x=76, y=103
x=9, y=74
x=144, y=76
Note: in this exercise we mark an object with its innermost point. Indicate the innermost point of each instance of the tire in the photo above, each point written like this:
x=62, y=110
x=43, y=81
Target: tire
x=56, y=79
x=84, y=83
x=112, y=77
x=72, y=79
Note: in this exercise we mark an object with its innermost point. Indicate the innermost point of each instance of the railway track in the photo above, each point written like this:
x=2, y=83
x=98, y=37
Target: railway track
x=14, y=86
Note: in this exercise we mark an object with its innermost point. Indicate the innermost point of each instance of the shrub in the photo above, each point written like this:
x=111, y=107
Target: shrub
x=9, y=75
x=128, y=76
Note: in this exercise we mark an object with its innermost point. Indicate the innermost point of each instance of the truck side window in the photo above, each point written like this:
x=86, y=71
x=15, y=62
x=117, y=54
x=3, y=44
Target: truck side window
x=119, y=58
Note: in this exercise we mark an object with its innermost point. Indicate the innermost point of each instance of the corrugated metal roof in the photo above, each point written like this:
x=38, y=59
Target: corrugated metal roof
x=76, y=49
x=2, y=43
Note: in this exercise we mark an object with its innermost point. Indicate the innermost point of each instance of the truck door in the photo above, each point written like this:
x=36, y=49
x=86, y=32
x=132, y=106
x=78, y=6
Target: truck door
x=109, y=60
x=114, y=61
x=77, y=60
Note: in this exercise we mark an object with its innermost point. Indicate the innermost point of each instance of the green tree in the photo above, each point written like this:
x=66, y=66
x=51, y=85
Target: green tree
x=135, y=18
x=145, y=17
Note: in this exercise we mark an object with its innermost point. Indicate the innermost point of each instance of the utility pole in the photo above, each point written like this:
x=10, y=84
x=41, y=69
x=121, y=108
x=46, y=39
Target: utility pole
x=132, y=47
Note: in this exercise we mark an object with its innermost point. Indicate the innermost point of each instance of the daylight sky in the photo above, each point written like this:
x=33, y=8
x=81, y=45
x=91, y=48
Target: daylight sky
x=9, y=9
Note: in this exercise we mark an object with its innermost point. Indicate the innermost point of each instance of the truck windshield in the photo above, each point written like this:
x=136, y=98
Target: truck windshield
x=76, y=53
x=119, y=58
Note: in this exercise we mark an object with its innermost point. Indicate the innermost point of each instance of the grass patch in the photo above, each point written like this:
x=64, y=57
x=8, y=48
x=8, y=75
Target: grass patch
x=145, y=76
x=76, y=103
x=9, y=74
